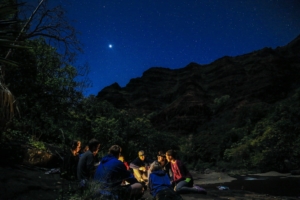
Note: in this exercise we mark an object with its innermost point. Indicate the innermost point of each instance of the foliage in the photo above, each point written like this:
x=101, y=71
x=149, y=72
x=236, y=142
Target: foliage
x=273, y=140
x=37, y=144
x=52, y=24
x=254, y=136
x=219, y=103
x=9, y=30
x=45, y=89
x=8, y=23
x=101, y=120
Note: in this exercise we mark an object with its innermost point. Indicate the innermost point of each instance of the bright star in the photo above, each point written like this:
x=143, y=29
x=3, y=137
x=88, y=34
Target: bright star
x=110, y=46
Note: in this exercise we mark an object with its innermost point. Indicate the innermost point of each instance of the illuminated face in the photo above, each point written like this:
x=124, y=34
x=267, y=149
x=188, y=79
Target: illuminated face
x=142, y=157
x=169, y=158
x=78, y=147
x=161, y=158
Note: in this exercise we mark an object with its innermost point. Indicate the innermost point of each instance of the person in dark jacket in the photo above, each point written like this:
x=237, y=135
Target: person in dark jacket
x=140, y=166
x=112, y=172
x=159, y=184
x=86, y=164
x=70, y=162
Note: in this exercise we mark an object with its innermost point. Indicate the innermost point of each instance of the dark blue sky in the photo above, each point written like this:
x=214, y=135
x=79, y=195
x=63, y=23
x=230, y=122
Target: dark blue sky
x=173, y=33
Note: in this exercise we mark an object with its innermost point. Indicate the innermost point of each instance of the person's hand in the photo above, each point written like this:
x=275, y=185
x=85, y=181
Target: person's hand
x=188, y=180
x=142, y=169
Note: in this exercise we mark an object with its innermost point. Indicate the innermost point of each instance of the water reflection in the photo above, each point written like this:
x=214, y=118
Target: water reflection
x=277, y=186
x=248, y=178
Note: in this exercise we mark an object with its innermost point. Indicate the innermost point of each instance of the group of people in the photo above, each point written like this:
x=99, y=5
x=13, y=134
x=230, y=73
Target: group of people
x=166, y=177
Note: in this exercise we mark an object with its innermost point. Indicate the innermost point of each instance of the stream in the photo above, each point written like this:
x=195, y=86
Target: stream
x=277, y=186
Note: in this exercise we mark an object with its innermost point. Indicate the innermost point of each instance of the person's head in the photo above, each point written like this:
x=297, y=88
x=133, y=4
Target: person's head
x=155, y=166
x=75, y=146
x=171, y=155
x=161, y=156
x=94, y=146
x=141, y=155
x=115, y=150
x=86, y=148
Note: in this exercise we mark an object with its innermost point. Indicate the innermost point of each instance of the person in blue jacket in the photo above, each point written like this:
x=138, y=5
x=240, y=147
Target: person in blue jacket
x=112, y=172
x=160, y=184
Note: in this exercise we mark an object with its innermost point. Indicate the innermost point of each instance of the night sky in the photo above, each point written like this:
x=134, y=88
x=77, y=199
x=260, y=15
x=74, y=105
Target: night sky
x=124, y=38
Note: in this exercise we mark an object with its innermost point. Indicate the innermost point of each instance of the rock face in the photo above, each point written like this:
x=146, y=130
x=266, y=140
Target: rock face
x=181, y=100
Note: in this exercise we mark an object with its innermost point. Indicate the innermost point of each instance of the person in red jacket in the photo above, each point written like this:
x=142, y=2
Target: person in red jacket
x=182, y=179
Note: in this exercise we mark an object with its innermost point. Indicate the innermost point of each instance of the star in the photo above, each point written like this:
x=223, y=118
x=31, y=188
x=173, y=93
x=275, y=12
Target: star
x=110, y=46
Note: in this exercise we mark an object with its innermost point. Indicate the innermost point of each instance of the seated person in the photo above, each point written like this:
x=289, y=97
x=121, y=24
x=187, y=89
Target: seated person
x=182, y=179
x=86, y=164
x=159, y=184
x=140, y=166
x=69, y=167
x=165, y=165
x=85, y=149
x=112, y=172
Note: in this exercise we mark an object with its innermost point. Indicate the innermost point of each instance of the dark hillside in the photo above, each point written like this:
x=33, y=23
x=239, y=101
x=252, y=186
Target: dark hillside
x=184, y=99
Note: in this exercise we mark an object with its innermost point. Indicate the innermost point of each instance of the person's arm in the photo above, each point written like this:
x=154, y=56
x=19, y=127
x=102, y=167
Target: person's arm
x=137, y=173
x=126, y=165
x=177, y=173
x=184, y=173
x=90, y=165
x=126, y=175
x=134, y=164
x=130, y=178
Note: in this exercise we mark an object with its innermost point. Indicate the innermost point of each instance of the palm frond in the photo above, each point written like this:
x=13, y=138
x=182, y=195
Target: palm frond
x=7, y=101
x=8, y=9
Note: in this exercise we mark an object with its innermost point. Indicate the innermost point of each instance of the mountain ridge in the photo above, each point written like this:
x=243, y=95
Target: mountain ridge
x=182, y=100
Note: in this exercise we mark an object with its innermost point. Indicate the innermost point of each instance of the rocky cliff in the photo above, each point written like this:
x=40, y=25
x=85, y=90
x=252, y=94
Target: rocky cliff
x=182, y=100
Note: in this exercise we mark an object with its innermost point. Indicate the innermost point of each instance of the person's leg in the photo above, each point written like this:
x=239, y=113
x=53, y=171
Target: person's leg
x=167, y=194
x=187, y=187
x=136, y=190
x=181, y=187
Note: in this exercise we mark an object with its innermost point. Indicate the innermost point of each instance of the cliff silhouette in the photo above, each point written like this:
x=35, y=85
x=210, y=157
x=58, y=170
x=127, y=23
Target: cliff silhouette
x=183, y=100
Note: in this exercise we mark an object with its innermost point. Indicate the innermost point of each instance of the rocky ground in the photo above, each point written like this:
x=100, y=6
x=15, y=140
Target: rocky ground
x=21, y=182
